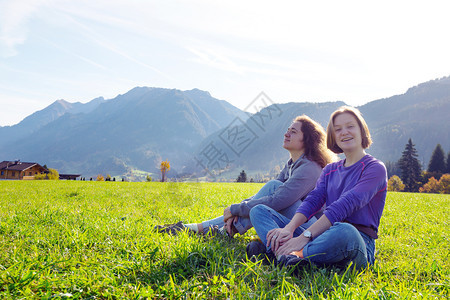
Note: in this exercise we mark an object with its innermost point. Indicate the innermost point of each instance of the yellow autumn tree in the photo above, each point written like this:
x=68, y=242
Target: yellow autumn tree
x=432, y=186
x=444, y=184
x=438, y=187
x=395, y=184
x=165, y=166
x=51, y=175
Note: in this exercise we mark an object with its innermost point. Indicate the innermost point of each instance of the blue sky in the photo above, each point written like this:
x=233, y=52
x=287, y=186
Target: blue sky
x=315, y=51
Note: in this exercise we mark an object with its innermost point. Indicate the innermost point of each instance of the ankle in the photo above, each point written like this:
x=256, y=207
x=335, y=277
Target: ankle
x=193, y=227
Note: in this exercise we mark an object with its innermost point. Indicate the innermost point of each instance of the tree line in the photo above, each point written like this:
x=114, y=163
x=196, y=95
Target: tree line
x=407, y=175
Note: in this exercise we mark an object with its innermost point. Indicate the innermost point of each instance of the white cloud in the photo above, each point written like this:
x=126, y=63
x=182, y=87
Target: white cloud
x=354, y=51
x=14, y=18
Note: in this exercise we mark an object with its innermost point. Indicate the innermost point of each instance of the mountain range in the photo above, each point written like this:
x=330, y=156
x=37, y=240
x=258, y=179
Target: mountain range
x=132, y=131
x=203, y=136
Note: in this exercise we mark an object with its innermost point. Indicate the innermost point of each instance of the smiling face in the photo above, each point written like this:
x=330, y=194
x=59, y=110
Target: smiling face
x=347, y=133
x=293, y=138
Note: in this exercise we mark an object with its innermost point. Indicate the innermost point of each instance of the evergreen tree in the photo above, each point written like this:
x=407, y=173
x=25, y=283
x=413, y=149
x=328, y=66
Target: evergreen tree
x=392, y=168
x=242, y=177
x=437, y=161
x=410, y=168
x=447, y=169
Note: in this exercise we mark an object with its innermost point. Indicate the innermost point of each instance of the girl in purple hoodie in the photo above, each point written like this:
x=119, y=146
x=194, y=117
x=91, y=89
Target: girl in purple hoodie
x=350, y=196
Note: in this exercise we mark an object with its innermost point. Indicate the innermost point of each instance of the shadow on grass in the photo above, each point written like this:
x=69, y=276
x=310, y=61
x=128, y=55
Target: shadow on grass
x=217, y=267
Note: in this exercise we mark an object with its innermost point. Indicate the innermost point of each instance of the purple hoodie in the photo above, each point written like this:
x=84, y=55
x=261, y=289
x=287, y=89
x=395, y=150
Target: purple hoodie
x=354, y=194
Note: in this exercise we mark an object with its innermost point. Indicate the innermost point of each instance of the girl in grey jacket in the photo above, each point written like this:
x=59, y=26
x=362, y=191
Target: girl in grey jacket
x=305, y=140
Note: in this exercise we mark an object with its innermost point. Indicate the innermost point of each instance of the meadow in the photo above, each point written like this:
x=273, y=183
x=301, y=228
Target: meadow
x=95, y=240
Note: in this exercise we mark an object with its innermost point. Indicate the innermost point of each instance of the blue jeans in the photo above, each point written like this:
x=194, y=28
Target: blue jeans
x=243, y=223
x=341, y=244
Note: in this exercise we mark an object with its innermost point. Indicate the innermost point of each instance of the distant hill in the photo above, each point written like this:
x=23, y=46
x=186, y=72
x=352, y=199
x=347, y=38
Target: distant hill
x=254, y=145
x=201, y=135
x=41, y=118
x=422, y=113
x=132, y=131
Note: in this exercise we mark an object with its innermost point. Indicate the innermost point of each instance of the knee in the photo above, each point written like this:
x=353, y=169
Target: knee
x=346, y=231
x=274, y=181
x=258, y=210
x=345, y=227
x=273, y=184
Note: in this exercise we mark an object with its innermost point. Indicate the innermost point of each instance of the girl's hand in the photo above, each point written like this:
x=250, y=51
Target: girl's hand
x=277, y=237
x=229, y=225
x=227, y=214
x=294, y=244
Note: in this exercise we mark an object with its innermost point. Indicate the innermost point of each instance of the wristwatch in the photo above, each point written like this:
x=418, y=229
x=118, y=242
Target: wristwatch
x=307, y=234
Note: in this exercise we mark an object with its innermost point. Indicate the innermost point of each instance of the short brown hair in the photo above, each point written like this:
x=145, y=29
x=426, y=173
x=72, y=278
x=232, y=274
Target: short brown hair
x=365, y=133
x=314, y=141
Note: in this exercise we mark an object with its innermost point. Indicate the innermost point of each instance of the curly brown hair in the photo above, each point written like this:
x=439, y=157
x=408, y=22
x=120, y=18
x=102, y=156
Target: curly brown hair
x=314, y=140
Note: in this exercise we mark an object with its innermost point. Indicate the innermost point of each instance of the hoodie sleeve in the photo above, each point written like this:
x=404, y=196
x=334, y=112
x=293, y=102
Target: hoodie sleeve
x=301, y=182
x=314, y=203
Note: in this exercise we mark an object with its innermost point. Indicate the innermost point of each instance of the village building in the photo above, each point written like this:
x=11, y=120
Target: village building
x=69, y=176
x=20, y=170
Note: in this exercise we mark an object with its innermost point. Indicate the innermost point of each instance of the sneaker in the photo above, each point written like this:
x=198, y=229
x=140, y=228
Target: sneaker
x=256, y=251
x=172, y=229
x=292, y=261
x=288, y=260
x=216, y=231
x=233, y=231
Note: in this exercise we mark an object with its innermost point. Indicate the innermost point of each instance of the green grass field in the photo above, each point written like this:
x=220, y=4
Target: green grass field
x=95, y=240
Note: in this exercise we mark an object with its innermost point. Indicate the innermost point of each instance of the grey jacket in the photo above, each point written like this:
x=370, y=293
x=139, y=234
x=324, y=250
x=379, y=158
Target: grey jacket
x=299, y=179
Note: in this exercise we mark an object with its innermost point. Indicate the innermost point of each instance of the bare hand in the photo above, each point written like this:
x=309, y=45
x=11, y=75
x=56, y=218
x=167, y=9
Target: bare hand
x=294, y=244
x=227, y=214
x=229, y=225
x=277, y=237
